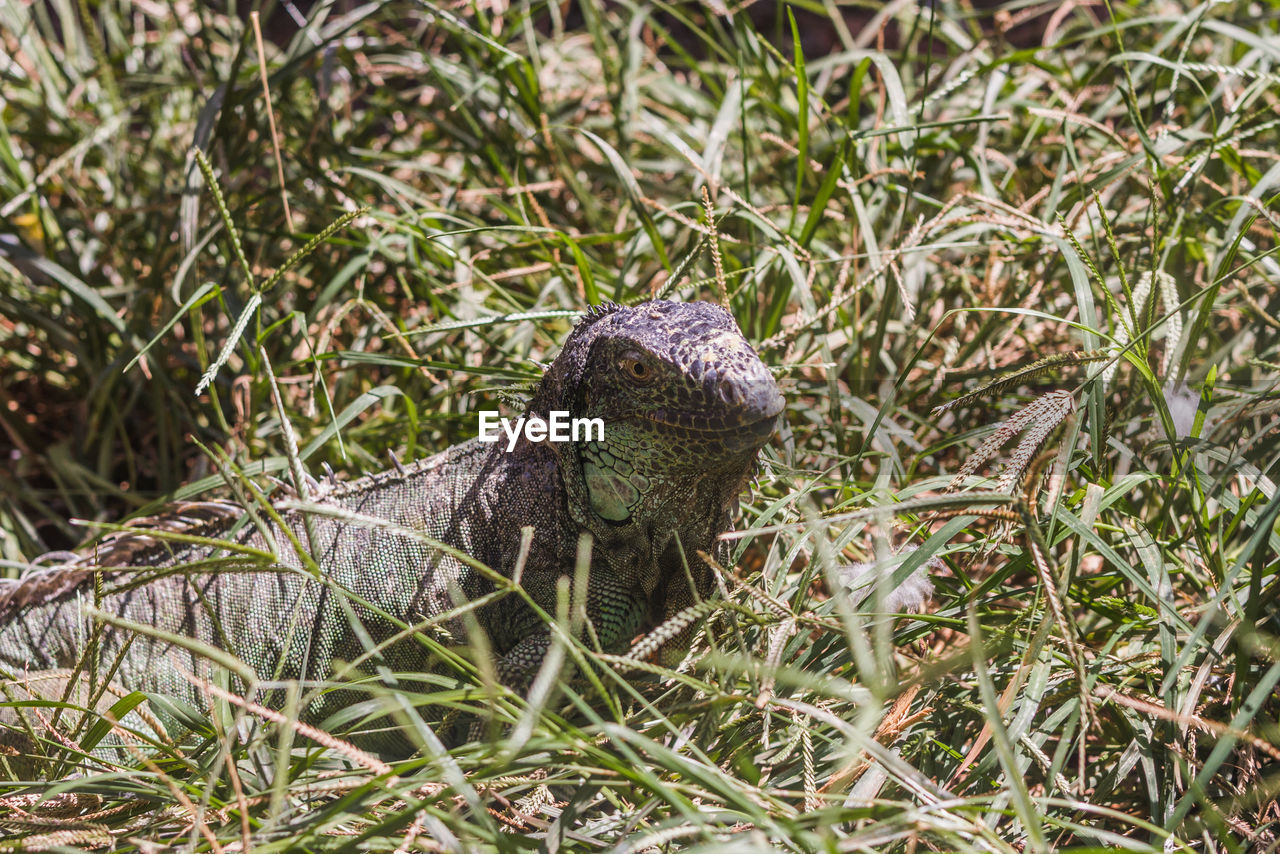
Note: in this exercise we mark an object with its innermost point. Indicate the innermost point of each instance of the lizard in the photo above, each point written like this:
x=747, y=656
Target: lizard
x=398, y=559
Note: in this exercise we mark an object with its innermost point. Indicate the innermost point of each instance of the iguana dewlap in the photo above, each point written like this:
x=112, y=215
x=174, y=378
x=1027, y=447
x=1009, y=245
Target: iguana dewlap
x=686, y=405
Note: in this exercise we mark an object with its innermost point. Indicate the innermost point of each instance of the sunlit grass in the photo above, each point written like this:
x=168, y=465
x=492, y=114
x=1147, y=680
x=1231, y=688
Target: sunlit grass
x=902, y=214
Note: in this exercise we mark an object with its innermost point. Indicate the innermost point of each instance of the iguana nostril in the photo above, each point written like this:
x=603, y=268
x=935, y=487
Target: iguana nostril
x=767, y=399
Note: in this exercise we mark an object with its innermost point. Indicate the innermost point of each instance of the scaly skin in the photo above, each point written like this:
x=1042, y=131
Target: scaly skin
x=686, y=405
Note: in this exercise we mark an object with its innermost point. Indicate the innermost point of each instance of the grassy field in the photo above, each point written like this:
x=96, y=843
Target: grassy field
x=1016, y=270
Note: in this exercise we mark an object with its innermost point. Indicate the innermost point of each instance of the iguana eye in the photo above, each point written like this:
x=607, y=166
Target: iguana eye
x=634, y=368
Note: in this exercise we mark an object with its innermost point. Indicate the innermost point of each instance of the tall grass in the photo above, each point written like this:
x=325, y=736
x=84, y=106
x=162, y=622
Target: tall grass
x=904, y=205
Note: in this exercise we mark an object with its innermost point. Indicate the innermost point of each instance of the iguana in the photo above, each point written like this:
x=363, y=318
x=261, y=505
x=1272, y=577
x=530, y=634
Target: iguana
x=686, y=406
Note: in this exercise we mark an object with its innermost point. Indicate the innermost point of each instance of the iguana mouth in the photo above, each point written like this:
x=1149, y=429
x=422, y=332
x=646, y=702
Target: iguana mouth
x=750, y=411
x=761, y=426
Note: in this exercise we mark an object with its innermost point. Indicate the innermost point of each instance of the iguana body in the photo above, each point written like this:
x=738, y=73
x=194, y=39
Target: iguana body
x=686, y=405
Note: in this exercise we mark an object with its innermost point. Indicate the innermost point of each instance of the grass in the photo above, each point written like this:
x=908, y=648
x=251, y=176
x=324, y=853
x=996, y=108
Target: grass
x=928, y=203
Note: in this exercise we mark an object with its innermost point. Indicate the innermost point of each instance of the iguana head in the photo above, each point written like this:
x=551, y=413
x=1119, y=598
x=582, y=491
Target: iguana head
x=686, y=405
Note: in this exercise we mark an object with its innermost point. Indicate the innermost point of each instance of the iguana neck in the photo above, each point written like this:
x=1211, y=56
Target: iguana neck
x=634, y=548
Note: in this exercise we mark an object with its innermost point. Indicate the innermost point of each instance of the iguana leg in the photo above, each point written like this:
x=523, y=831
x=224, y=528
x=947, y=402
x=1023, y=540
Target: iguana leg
x=617, y=616
x=518, y=667
x=677, y=623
